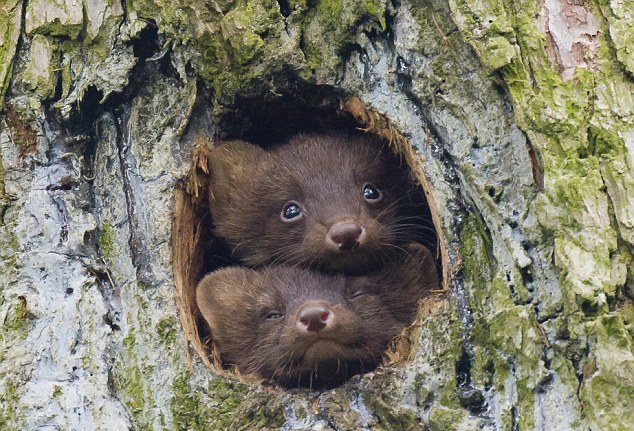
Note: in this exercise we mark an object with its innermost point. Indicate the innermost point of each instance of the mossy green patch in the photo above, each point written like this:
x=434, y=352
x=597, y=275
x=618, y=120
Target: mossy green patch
x=20, y=316
x=167, y=330
x=225, y=405
x=10, y=24
x=15, y=323
x=332, y=26
x=239, y=31
x=509, y=334
x=58, y=28
x=107, y=240
x=9, y=257
x=131, y=384
x=2, y=191
x=231, y=46
x=496, y=52
x=376, y=11
x=391, y=419
x=69, y=68
x=130, y=340
x=477, y=254
x=487, y=294
x=442, y=332
x=334, y=406
x=57, y=391
x=626, y=309
x=143, y=304
x=525, y=405
x=609, y=375
x=492, y=368
x=513, y=333
x=501, y=329
x=188, y=411
x=443, y=419
x=616, y=336
x=599, y=392
x=9, y=419
x=238, y=46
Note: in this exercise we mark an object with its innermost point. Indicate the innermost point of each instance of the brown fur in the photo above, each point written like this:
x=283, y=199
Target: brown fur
x=236, y=301
x=325, y=175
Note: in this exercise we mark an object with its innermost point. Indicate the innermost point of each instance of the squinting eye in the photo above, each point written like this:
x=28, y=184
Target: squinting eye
x=274, y=315
x=291, y=212
x=371, y=193
x=356, y=293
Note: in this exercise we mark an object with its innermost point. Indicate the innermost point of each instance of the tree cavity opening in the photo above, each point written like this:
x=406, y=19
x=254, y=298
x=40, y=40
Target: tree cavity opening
x=265, y=121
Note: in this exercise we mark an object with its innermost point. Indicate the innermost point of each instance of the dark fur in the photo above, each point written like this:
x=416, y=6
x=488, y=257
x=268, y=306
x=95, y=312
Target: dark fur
x=325, y=174
x=235, y=302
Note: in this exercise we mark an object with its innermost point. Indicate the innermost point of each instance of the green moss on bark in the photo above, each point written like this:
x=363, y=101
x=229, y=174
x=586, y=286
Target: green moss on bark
x=443, y=419
x=13, y=309
x=477, y=251
x=14, y=326
x=333, y=26
x=9, y=398
x=106, y=240
x=239, y=46
x=167, y=330
x=609, y=376
x=577, y=125
x=131, y=384
x=502, y=331
x=10, y=22
x=229, y=50
x=225, y=405
x=2, y=190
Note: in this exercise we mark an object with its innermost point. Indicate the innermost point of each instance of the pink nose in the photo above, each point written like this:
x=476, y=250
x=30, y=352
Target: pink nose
x=314, y=317
x=344, y=236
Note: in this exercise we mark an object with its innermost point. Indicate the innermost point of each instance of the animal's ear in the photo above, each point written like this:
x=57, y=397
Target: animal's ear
x=230, y=164
x=223, y=291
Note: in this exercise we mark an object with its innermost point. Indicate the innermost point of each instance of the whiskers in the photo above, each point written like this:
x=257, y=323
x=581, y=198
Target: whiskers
x=395, y=205
x=293, y=255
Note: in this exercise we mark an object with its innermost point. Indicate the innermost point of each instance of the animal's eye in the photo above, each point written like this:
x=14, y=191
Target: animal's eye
x=356, y=293
x=371, y=194
x=273, y=314
x=291, y=212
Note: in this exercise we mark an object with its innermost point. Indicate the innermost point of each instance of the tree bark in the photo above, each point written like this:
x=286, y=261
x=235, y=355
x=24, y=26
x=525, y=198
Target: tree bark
x=517, y=118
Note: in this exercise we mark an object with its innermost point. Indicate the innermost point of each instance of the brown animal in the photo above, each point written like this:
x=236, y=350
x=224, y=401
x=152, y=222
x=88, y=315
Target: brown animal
x=304, y=328
x=332, y=202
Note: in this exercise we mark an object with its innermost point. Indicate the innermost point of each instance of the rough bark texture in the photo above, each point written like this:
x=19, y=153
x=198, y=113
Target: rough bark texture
x=520, y=115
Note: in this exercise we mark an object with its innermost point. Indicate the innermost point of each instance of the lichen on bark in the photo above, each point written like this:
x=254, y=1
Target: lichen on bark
x=579, y=123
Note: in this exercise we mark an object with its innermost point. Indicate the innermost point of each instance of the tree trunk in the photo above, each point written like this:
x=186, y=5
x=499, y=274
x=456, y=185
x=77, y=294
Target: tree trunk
x=517, y=118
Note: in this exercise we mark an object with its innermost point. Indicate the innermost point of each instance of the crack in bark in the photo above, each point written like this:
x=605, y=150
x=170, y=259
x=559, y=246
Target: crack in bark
x=124, y=7
x=139, y=252
x=605, y=30
x=61, y=208
x=18, y=45
x=614, y=221
x=538, y=173
x=579, y=373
